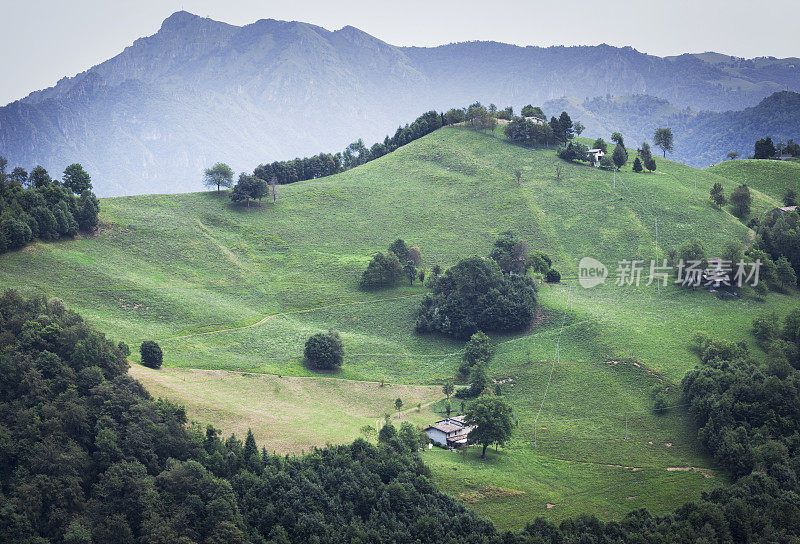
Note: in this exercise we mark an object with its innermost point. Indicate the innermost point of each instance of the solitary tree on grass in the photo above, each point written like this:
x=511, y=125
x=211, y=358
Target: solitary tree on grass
x=492, y=419
x=663, y=138
x=448, y=388
x=398, y=403
x=151, y=354
x=518, y=176
x=220, y=175
x=324, y=351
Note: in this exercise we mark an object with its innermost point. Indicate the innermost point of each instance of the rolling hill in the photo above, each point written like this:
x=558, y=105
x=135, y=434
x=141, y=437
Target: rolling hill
x=232, y=293
x=199, y=91
x=769, y=177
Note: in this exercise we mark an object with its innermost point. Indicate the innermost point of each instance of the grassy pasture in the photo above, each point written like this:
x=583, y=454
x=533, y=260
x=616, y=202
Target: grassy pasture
x=287, y=414
x=227, y=290
x=769, y=177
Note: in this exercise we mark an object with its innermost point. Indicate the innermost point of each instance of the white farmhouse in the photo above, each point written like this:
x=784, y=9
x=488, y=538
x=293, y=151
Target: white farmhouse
x=595, y=155
x=449, y=433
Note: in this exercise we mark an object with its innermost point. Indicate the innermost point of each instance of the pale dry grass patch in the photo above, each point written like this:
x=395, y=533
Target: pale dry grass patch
x=286, y=414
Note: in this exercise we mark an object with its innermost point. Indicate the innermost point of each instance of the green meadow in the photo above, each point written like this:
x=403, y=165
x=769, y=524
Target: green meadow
x=768, y=176
x=233, y=291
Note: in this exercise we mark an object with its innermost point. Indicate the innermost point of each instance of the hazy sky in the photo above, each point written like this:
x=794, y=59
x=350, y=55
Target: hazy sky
x=42, y=41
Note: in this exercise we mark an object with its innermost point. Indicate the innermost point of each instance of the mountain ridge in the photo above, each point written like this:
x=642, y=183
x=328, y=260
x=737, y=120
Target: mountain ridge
x=200, y=91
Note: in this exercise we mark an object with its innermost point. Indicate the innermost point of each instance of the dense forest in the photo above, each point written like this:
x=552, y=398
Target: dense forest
x=89, y=456
x=33, y=205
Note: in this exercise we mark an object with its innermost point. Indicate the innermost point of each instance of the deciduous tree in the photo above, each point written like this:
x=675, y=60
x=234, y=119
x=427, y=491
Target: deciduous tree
x=324, y=351
x=663, y=138
x=151, y=354
x=219, y=175
x=493, y=422
x=741, y=200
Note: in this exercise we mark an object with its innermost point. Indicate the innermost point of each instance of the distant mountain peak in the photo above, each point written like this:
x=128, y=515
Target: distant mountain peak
x=198, y=91
x=178, y=20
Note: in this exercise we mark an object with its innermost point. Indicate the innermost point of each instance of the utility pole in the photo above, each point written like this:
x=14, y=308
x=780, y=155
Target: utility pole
x=615, y=179
x=658, y=283
x=626, y=426
x=535, y=425
x=695, y=183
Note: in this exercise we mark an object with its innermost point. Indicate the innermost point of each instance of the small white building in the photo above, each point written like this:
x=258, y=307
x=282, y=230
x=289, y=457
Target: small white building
x=449, y=433
x=595, y=155
x=536, y=120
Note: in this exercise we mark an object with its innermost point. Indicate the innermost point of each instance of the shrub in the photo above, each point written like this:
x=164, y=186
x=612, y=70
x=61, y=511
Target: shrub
x=765, y=328
x=553, y=276
x=475, y=295
x=151, y=354
x=324, y=351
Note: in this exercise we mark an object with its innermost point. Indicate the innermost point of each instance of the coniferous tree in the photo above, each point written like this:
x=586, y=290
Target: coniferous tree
x=620, y=156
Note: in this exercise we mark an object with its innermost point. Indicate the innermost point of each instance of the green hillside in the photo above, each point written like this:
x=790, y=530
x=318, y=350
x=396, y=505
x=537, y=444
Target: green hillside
x=769, y=177
x=233, y=289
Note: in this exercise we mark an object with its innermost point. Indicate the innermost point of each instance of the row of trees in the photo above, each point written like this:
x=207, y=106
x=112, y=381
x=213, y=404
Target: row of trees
x=764, y=148
x=535, y=130
x=776, y=274
x=355, y=154
x=34, y=205
x=576, y=151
